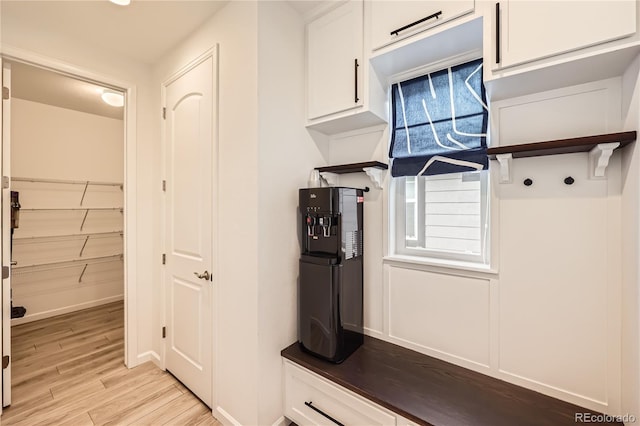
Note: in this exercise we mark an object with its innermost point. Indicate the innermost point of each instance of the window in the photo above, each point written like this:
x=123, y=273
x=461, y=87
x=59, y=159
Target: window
x=443, y=216
x=439, y=164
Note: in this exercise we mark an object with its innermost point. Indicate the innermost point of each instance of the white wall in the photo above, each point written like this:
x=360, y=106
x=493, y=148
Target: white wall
x=234, y=30
x=56, y=143
x=24, y=39
x=631, y=245
x=286, y=156
x=59, y=143
x=354, y=147
x=265, y=155
x=549, y=317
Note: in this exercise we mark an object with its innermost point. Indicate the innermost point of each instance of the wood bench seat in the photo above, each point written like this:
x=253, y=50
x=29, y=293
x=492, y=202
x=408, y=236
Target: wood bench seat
x=430, y=391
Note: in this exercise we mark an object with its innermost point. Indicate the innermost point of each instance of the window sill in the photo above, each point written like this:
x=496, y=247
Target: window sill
x=440, y=265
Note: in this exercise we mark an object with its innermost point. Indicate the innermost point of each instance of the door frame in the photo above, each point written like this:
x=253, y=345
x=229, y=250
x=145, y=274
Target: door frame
x=130, y=180
x=5, y=288
x=213, y=53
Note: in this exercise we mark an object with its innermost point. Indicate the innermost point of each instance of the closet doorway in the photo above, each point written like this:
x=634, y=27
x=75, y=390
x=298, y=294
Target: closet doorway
x=66, y=166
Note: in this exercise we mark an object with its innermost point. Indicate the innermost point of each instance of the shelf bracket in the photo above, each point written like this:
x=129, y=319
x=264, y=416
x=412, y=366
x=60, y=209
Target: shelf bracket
x=82, y=273
x=599, y=157
x=86, y=240
x=86, y=185
x=505, y=161
x=376, y=175
x=84, y=219
x=331, y=178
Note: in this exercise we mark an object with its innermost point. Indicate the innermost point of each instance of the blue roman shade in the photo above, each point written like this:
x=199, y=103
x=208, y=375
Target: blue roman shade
x=440, y=122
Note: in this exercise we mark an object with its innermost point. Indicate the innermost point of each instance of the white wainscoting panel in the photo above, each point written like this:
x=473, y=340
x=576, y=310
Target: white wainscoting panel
x=582, y=110
x=445, y=314
x=553, y=293
x=559, y=273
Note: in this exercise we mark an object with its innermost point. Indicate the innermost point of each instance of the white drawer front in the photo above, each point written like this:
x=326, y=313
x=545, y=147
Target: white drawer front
x=344, y=406
x=391, y=15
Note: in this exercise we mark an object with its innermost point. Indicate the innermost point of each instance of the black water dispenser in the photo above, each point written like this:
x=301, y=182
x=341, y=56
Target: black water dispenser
x=331, y=270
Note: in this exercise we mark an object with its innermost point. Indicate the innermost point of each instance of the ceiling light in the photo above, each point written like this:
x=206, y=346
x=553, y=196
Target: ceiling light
x=112, y=98
x=121, y=2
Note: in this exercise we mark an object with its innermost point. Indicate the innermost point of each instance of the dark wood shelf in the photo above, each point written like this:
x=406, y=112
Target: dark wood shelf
x=353, y=167
x=430, y=391
x=561, y=146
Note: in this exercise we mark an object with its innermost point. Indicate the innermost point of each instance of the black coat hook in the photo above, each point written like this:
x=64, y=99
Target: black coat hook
x=569, y=180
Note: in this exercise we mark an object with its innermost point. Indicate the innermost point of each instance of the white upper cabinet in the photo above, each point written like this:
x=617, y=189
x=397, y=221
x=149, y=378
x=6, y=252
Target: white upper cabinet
x=334, y=61
x=342, y=92
x=528, y=30
x=392, y=20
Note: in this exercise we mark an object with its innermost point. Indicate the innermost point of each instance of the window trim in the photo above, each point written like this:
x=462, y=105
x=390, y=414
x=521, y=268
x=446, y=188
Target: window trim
x=442, y=266
x=418, y=219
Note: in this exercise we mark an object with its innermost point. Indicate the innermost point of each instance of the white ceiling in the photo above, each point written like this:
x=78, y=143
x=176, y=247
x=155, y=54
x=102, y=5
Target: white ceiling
x=145, y=30
x=304, y=7
x=51, y=88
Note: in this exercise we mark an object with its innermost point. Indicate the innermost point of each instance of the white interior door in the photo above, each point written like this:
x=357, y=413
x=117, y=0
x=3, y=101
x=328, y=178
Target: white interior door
x=190, y=186
x=6, y=234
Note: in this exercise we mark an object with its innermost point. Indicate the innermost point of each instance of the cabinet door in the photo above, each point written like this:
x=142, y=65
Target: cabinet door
x=388, y=16
x=334, y=61
x=534, y=29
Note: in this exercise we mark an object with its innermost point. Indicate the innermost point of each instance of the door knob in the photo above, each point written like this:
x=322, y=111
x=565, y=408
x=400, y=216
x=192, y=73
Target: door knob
x=203, y=276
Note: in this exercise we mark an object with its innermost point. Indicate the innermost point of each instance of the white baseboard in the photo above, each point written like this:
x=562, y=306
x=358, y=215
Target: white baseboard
x=148, y=356
x=225, y=418
x=280, y=422
x=373, y=333
x=65, y=310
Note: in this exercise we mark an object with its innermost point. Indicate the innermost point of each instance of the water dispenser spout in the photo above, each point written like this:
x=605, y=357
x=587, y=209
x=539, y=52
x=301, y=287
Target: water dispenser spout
x=311, y=224
x=326, y=227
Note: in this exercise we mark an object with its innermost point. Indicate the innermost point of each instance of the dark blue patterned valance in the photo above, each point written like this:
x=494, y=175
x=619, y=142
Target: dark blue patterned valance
x=440, y=122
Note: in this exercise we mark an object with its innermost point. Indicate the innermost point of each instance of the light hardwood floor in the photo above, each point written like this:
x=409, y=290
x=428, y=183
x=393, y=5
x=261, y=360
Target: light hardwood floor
x=69, y=370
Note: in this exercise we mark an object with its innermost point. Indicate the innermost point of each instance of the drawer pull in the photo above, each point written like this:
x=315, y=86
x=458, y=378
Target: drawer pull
x=419, y=21
x=319, y=411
